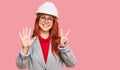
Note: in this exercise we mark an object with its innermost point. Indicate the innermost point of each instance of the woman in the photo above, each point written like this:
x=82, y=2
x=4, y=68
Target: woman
x=45, y=50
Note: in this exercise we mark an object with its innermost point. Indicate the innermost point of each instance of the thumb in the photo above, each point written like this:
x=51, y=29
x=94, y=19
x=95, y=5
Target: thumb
x=33, y=39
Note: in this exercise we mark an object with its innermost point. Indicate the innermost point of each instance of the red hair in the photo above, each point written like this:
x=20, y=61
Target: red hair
x=54, y=33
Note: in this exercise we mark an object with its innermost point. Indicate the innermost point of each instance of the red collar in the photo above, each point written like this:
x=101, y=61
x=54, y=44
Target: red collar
x=42, y=39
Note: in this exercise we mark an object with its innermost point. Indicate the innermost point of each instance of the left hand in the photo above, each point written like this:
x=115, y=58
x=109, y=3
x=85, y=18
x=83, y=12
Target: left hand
x=64, y=39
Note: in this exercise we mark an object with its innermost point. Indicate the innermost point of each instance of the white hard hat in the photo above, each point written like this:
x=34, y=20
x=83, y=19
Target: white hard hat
x=48, y=8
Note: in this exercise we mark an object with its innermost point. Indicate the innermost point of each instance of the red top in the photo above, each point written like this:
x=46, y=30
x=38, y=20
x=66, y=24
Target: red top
x=45, y=46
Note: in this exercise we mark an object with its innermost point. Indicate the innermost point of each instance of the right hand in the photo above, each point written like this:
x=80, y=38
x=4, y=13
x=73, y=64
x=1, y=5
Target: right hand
x=25, y=39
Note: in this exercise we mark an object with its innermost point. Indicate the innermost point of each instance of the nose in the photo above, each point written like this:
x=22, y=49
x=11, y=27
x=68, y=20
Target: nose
x=46, y=21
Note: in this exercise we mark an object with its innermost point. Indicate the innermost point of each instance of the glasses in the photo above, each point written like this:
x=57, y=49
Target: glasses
x=43, y=18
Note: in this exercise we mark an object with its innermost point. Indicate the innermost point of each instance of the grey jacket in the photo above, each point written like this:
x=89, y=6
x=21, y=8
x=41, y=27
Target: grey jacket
x=35, y=61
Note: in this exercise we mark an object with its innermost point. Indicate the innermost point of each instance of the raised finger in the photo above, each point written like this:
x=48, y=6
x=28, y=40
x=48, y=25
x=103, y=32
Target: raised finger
x=29, y=32
x=33, y=39
x=20, y=35
x=26, y=32
x=61, y=32
x=23, y=32
x=67, y=33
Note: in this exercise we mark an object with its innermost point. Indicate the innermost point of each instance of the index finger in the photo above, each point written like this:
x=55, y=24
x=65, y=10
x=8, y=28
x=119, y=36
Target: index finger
x=29, y=32
x=67, y=33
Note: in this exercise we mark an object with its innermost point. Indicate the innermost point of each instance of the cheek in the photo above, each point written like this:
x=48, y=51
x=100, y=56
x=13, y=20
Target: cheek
x=40, y=24
x=51, y=25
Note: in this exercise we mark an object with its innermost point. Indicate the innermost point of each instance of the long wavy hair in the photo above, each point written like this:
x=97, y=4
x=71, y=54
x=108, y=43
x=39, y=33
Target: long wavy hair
x=54, y=33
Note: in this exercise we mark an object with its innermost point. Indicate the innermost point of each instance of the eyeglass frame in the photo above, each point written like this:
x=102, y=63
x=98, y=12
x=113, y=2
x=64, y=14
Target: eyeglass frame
x=43, y=19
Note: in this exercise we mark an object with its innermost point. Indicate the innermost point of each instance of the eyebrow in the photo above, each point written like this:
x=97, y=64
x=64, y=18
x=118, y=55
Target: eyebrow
x=48, y=16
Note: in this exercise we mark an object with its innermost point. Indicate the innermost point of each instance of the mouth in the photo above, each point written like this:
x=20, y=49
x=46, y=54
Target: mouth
x=45, y=25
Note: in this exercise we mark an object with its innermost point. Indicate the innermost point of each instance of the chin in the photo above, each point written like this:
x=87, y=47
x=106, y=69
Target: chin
x=46, y=30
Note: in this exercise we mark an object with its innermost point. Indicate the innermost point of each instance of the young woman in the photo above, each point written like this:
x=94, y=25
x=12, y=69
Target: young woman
x=45, y=50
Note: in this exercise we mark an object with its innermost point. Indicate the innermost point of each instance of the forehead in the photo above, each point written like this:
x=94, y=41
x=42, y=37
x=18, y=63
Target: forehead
x=46, y=15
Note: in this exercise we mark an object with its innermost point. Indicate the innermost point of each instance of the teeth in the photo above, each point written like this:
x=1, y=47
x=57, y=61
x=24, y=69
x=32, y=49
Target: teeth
x=45, y=25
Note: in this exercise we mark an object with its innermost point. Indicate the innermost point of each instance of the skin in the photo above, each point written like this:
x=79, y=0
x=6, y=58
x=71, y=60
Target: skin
x=45, y=23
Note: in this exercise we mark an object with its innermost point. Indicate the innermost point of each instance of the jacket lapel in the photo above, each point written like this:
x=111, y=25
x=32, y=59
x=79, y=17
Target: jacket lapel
x=39, y=51
x=49, y=55
x=51, y=58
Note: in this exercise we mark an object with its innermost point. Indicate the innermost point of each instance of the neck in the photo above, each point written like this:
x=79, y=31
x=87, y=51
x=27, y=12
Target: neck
x=44, y=34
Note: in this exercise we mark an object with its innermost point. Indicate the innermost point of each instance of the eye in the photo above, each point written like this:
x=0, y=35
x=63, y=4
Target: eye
x=50, y=19
x=42, y=17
